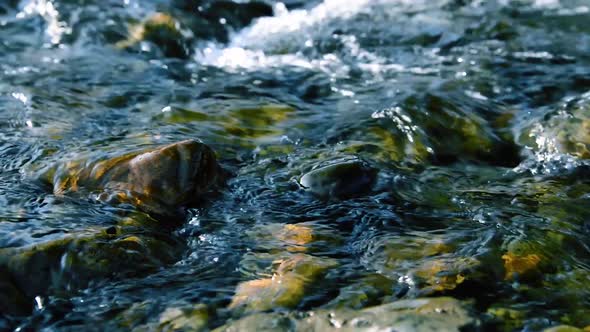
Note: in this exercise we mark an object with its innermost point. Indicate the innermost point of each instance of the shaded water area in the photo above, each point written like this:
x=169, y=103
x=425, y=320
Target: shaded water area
x=377, y=152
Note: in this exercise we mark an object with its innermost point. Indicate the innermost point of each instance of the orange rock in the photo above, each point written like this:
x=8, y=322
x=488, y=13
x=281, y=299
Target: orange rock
x=285, y=288
x=296, y=236
x=521, y=266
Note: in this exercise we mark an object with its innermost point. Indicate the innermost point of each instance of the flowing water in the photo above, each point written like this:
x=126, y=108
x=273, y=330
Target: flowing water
x=476, y=115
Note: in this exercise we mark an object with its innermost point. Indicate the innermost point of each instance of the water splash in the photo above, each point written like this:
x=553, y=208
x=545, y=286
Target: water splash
x=285, y=38
x=56, y=29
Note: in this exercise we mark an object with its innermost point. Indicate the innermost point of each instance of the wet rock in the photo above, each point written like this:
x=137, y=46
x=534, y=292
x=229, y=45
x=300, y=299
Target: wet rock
x=521, y=267
x=432, y=128
x=163, y=31
x=422, y=314
x=392, y=252
x=259, y=122
x=280, y=237
x=367, y=291
x=568, y=290
x=566, y=328
x=456, y=133
x=562, y=131
x=287, y=286
x=296, y=237
x=445, y=274
x=340, y=179
x=157, y=181
x=70, y=263
x=194, y=318
x=387, y=146
x=507, y=319
x=426, y=265
x=258, y=127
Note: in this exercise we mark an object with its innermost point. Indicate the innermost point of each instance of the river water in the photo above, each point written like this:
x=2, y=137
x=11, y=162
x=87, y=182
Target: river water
x=476, y=115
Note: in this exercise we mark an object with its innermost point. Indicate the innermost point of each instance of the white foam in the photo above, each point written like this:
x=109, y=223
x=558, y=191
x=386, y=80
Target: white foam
x=46, y=9
x=282, y=39
x=285, y=23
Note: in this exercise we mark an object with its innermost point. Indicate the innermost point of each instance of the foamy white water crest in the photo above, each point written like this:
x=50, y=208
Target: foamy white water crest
x=282, y=39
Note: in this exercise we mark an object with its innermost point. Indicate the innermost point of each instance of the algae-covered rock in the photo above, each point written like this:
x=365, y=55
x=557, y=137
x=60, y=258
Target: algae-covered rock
x=570, y=291
x=562, y=131
x=158, y=181
x=391, y=253
x=454, y=132
x=72, y=262
x=430, y=128
x=528, y=259
x=340, y=179
x=194, y=318
x=422, y=314
x=257, y=122
x=387, y=145
x=439, y=275
x=362, y=293
x=564, y=328
x=523, y=267
x=285, y=288
x=426, y=264
x=506, y=318
x=162, y=30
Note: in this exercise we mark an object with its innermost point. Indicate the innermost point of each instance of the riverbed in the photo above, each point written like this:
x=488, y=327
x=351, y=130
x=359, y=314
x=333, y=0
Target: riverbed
x=471, y=120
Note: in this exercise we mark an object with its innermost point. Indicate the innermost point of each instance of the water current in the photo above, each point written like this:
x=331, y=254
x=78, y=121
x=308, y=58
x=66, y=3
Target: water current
x=474, y=115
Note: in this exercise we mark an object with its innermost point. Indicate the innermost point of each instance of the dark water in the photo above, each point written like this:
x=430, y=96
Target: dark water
x=475, y=113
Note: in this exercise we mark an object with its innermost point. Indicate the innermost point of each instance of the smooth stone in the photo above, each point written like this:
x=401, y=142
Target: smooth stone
x=342, y=179
x=441, y=314
x=158, y=180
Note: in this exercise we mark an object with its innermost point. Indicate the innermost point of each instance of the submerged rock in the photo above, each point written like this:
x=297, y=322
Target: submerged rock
x=340, y=179
x=523, y=267
x=431, y=129
x=287, y=286
x=562, y=131
x=163, y=31
x=369, y=290
x=72, y=262
x=507, y=319
x=158, y=181
x=566, y=328
x=184, y=319
x=422, y=314
x=280, y=237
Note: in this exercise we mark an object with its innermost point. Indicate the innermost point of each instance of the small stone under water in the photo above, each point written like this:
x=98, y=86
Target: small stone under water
x=340, y=179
